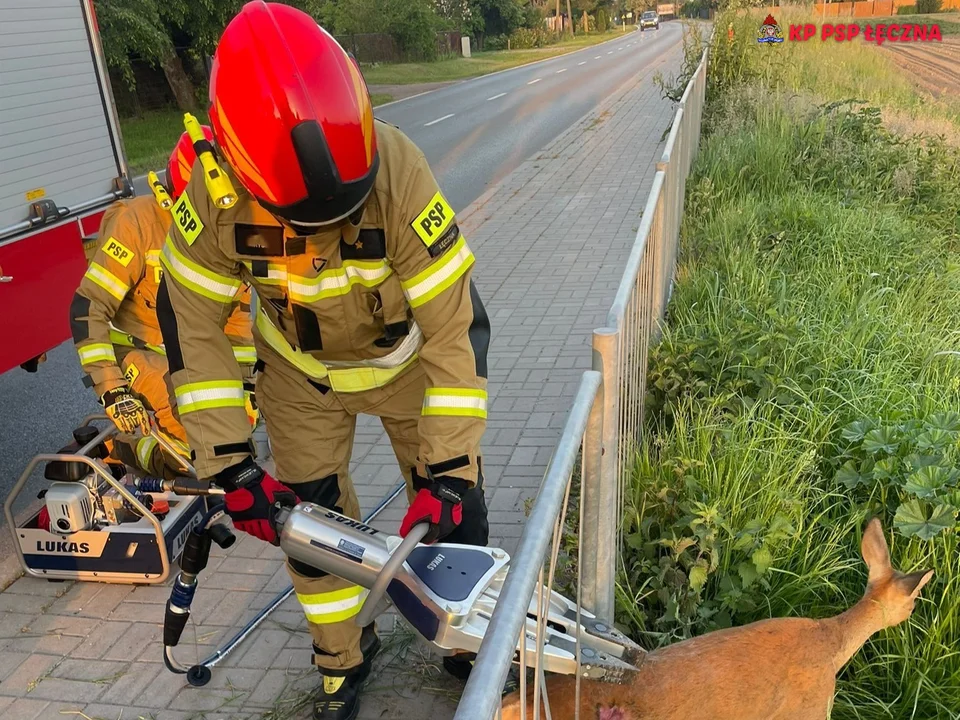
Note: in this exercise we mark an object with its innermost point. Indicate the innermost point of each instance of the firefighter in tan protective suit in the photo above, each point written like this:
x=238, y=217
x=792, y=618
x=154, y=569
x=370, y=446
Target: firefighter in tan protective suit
x=363, y=304
x=114, y=322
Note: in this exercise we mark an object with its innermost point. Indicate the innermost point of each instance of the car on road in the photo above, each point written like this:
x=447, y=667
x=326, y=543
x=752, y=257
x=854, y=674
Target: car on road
x=650, y=19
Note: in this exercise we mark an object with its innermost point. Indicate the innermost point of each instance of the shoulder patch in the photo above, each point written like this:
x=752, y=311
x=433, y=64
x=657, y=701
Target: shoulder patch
x=445, y=242
x=188, y=223
x=433, y=219
x=118, y=251
x=131, y=374
x=371, y=244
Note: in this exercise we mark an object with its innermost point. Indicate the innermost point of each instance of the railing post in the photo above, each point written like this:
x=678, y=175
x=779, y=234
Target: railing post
x=599, y=483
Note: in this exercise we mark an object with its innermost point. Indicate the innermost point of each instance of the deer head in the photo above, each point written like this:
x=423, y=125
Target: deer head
x=892, y=591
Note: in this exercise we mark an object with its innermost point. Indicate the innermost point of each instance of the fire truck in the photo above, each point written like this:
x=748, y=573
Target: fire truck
x=61, y=165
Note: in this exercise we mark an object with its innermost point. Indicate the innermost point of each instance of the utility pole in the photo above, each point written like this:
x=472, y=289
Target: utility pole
x=559, y=19
x=573, y=30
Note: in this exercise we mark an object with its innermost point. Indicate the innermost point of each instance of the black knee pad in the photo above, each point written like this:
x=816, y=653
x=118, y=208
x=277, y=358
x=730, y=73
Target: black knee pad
x=325, y=492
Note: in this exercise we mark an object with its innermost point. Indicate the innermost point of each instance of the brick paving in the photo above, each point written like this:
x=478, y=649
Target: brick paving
x=550, y=241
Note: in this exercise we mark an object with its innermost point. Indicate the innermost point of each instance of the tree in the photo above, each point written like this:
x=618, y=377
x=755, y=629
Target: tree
x=603, y=22
x=136, y=28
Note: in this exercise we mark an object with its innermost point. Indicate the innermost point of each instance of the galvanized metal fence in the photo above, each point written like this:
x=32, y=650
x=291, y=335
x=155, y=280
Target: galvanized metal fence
x=603, y=428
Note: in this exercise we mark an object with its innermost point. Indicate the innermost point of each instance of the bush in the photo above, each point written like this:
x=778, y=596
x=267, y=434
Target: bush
x=495, y=42
x=928, y=6
x=527, y=38
x=806, y=380
x=603, y=22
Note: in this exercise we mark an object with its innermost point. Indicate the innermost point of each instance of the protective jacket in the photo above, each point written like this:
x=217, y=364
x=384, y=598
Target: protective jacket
x=352, y=307
x=115, y=306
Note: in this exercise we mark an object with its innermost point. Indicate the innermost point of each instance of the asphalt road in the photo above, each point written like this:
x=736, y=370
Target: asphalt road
x=473, y=134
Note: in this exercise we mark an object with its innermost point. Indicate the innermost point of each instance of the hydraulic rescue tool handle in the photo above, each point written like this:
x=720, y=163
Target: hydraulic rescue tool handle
x=379, y=590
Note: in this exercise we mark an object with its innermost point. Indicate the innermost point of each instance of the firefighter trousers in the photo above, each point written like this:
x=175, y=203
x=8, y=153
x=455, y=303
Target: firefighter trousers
x=311, y=430
x=149, y=378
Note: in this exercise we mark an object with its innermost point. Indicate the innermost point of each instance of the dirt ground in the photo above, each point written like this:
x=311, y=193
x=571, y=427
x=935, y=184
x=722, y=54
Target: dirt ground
x=934, y=66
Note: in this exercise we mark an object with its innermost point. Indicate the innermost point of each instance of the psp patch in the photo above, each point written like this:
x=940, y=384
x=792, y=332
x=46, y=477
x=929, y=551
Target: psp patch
x=188, y=223
x=131, y=374
x=118, y=251
x=433, y=220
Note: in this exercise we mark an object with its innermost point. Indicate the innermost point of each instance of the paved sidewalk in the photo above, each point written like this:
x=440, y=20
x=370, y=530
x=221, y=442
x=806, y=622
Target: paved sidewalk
x=551, y=241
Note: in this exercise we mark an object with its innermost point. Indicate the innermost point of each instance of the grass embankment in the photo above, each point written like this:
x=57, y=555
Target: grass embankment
x=149, y=139
x=481, y=63
x=809, y=373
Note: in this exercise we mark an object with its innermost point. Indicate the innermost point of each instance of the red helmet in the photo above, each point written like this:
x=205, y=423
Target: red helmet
x=292, y=115
x=180, y=164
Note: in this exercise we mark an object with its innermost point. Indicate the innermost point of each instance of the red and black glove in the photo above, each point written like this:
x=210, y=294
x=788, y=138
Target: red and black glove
x=440, y=504
x=250, y=498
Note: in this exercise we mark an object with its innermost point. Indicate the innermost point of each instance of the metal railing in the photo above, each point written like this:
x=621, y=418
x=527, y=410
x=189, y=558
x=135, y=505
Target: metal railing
x=603, y=428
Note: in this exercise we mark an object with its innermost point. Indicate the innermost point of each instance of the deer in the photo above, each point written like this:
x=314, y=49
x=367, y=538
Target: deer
x=776, y=669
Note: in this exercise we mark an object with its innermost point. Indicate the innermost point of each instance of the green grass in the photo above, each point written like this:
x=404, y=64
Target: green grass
x=480, y=64
x=817, y=286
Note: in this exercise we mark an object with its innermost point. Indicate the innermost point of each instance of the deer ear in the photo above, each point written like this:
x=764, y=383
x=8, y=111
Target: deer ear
x=875, y=552
x=914, y=582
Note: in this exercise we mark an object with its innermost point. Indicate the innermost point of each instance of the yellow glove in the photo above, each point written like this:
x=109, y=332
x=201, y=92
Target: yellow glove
x=126, y=412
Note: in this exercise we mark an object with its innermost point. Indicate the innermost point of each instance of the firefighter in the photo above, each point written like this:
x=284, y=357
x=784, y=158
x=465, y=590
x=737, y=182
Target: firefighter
x=114, y=323
x=363, y=304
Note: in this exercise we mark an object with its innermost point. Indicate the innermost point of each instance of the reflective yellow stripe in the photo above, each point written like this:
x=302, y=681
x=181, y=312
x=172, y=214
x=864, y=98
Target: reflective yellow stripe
x=107, y=280
x=425, y=286
x=462, y=402
x=153, y=257
x=338, y=281
x=209, y=394
x=276, y=273
x=118, y=337
x=245, y=354
x=145, y=448
x=333, y=607
x=96, y=352
x=344, y=380
x=191, y=275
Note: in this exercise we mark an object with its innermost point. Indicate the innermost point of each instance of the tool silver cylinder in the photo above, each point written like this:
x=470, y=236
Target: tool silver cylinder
x=331, y=542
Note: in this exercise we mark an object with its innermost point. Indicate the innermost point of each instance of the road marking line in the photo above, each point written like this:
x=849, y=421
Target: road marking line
x=534, y=81
x=561, y=70
x=440, y=119
x=610, y=53
x=582, y=63
x=495, y=97
x=596, y=57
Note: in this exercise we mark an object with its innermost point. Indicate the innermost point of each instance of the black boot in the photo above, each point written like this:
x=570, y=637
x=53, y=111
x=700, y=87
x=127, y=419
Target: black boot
x=339, y=696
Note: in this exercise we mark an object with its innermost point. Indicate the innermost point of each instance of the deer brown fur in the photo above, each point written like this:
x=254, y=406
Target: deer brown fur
x=778, y=669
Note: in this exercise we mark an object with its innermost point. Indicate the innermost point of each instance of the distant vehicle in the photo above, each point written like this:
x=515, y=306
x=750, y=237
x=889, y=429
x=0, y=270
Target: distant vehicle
x=650, y=19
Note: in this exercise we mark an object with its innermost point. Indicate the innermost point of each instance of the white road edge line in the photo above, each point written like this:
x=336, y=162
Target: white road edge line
x=534, y=81
x=561, y=70
x=495, y=97
x=439, y=119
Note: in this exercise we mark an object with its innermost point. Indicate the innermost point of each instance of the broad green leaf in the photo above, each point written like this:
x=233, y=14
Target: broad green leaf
x=881, y=441
x=748, y=573
x=698, y=575
x=886, y=469
x=947, y=422
x=927, y=481
x=923, y=519
x=934, y=440
x=762, y=559
x=915, y=461
x=851, y=476
x=854, y=432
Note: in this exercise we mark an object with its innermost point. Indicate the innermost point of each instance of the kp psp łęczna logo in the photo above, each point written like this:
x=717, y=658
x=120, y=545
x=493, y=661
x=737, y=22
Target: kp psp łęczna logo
x=770, y=31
